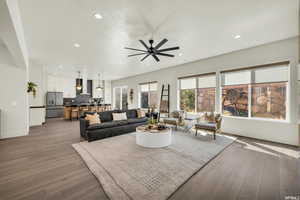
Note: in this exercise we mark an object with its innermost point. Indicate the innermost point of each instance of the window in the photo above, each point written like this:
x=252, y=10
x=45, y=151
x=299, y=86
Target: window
x=197, y=94
x=187, y=94
x=206, y=91
x=120, y=98
x=269, y=100
x=148, y=95
x=235, y=100
x=257, y=92
x=235, y=89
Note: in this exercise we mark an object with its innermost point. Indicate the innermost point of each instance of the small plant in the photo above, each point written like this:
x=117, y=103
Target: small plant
x=31, y=87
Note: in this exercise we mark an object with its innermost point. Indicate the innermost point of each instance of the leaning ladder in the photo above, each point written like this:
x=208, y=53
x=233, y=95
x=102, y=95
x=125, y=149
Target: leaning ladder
x=164, y=106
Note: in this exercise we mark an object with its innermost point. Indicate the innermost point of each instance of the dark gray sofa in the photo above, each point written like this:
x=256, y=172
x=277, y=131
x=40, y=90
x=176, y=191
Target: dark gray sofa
x=108, y=127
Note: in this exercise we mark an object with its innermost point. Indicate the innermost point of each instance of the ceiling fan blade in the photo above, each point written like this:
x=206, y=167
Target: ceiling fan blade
x=144, y=44
x=161, y=43
x=145, y=57
x=165, y=54
x=135, y=49
x=168, y=49
x=155, y=57
x=137, y=54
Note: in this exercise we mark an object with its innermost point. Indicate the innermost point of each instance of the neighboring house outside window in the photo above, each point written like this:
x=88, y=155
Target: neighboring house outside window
x=197, y=94
x=256, y=93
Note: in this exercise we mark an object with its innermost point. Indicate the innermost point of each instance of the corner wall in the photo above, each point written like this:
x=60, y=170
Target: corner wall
x=13, y=99
x=285, y=50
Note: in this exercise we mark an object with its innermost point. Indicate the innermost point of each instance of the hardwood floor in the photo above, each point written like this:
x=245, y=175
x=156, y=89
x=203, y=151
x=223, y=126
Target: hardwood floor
x=43, y=165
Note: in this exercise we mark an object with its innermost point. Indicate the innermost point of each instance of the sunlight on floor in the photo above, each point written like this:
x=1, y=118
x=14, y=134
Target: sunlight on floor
x=273, y=150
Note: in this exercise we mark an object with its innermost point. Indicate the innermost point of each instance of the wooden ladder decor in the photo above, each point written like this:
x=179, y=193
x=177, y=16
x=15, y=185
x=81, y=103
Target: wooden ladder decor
x=164, y=106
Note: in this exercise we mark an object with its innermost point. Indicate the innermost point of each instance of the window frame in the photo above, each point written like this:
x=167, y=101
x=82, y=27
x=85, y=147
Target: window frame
x=148, y=91
x=196, y=77
x=252, y=82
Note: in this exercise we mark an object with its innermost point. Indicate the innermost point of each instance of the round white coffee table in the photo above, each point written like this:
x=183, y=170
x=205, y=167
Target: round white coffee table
x=153, y=139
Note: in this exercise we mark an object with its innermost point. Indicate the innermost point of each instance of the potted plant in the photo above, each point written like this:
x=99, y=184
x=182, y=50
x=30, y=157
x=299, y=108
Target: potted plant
x=31, y=87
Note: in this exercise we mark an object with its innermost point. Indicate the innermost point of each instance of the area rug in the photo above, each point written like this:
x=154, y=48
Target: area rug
x=128, y=171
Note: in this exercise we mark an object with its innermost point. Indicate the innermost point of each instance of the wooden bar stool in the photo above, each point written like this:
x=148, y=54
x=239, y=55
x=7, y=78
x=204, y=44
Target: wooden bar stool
x=83, y=109
x=74, y=113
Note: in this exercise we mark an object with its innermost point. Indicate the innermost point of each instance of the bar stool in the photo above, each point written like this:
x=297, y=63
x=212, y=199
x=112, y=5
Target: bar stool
x=93, y=109
x=74, y=113
x=83, y=109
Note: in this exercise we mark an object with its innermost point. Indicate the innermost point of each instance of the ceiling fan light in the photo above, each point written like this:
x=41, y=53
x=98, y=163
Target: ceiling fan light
x=78, y=87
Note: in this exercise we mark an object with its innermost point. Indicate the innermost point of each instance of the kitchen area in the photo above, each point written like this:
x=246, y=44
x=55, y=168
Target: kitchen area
x=66, y=97
x=72, y=108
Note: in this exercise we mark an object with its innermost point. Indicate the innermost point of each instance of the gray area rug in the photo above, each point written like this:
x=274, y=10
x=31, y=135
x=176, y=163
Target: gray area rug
x=128, y=171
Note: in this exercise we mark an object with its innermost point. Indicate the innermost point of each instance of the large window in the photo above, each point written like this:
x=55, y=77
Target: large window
x=148, y=95
x=235, y=93
x=235, y=100
x=187, y=94
x=197, y=94
x=257, y=92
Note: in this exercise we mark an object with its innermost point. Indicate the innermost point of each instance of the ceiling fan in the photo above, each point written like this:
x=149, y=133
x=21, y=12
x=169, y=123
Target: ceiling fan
x=153, y=51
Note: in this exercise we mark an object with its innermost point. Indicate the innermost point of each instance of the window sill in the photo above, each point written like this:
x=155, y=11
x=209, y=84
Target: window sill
x=257, y=119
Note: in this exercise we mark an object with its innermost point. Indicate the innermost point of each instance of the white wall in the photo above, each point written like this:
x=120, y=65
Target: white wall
x=67, y=86
x=286, y=50
x=37, y=74
x=62, y=84
x=13, y=100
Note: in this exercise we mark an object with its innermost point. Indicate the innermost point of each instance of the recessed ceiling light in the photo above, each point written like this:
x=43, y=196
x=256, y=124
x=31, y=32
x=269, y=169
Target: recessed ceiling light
x=60, y=66
x=76, y=45
x=98, y=16
x=237, y=37
x=180, y=54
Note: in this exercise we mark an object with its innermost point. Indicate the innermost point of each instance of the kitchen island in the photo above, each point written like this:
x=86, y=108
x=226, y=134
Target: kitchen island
x=74, y=111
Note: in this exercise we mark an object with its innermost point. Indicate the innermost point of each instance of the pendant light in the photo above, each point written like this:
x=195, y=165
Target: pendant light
x=99, y=87
x=78, y=84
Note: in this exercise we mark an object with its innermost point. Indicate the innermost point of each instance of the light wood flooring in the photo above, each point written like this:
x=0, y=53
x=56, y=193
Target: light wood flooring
x=43, y=165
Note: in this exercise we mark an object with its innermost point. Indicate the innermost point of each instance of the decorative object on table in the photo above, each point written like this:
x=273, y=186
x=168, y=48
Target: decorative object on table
x=153, y=51
x=100, y=86
x=209, y=121
x=131, y=95
x=32, y=87
x=164, y=105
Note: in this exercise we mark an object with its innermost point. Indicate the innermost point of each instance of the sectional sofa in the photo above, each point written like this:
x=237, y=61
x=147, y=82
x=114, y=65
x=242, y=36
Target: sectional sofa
x=108, y=127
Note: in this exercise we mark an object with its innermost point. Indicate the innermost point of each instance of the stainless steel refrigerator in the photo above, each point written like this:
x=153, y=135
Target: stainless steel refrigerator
x=54, y=104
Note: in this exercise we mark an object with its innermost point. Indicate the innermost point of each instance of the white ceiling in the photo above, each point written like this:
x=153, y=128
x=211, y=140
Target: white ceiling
x=202, y=28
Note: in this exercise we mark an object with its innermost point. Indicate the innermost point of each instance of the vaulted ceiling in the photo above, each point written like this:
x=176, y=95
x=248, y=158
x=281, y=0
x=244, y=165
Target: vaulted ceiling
x=202, y=28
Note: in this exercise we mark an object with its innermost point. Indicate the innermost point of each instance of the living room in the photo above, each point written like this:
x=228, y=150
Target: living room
x=149, y=99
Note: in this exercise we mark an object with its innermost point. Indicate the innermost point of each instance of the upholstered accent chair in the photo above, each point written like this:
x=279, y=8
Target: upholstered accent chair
x=175, y=119
x=210, y=122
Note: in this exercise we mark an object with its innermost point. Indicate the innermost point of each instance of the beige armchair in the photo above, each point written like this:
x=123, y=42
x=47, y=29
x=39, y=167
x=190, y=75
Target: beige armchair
x=209, y=122
x=175, y=119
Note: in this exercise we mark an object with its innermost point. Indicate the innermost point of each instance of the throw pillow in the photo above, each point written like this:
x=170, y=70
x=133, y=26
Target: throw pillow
x=93, y=119
x=140, y=113
x=119, y=116
x=210, y=117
